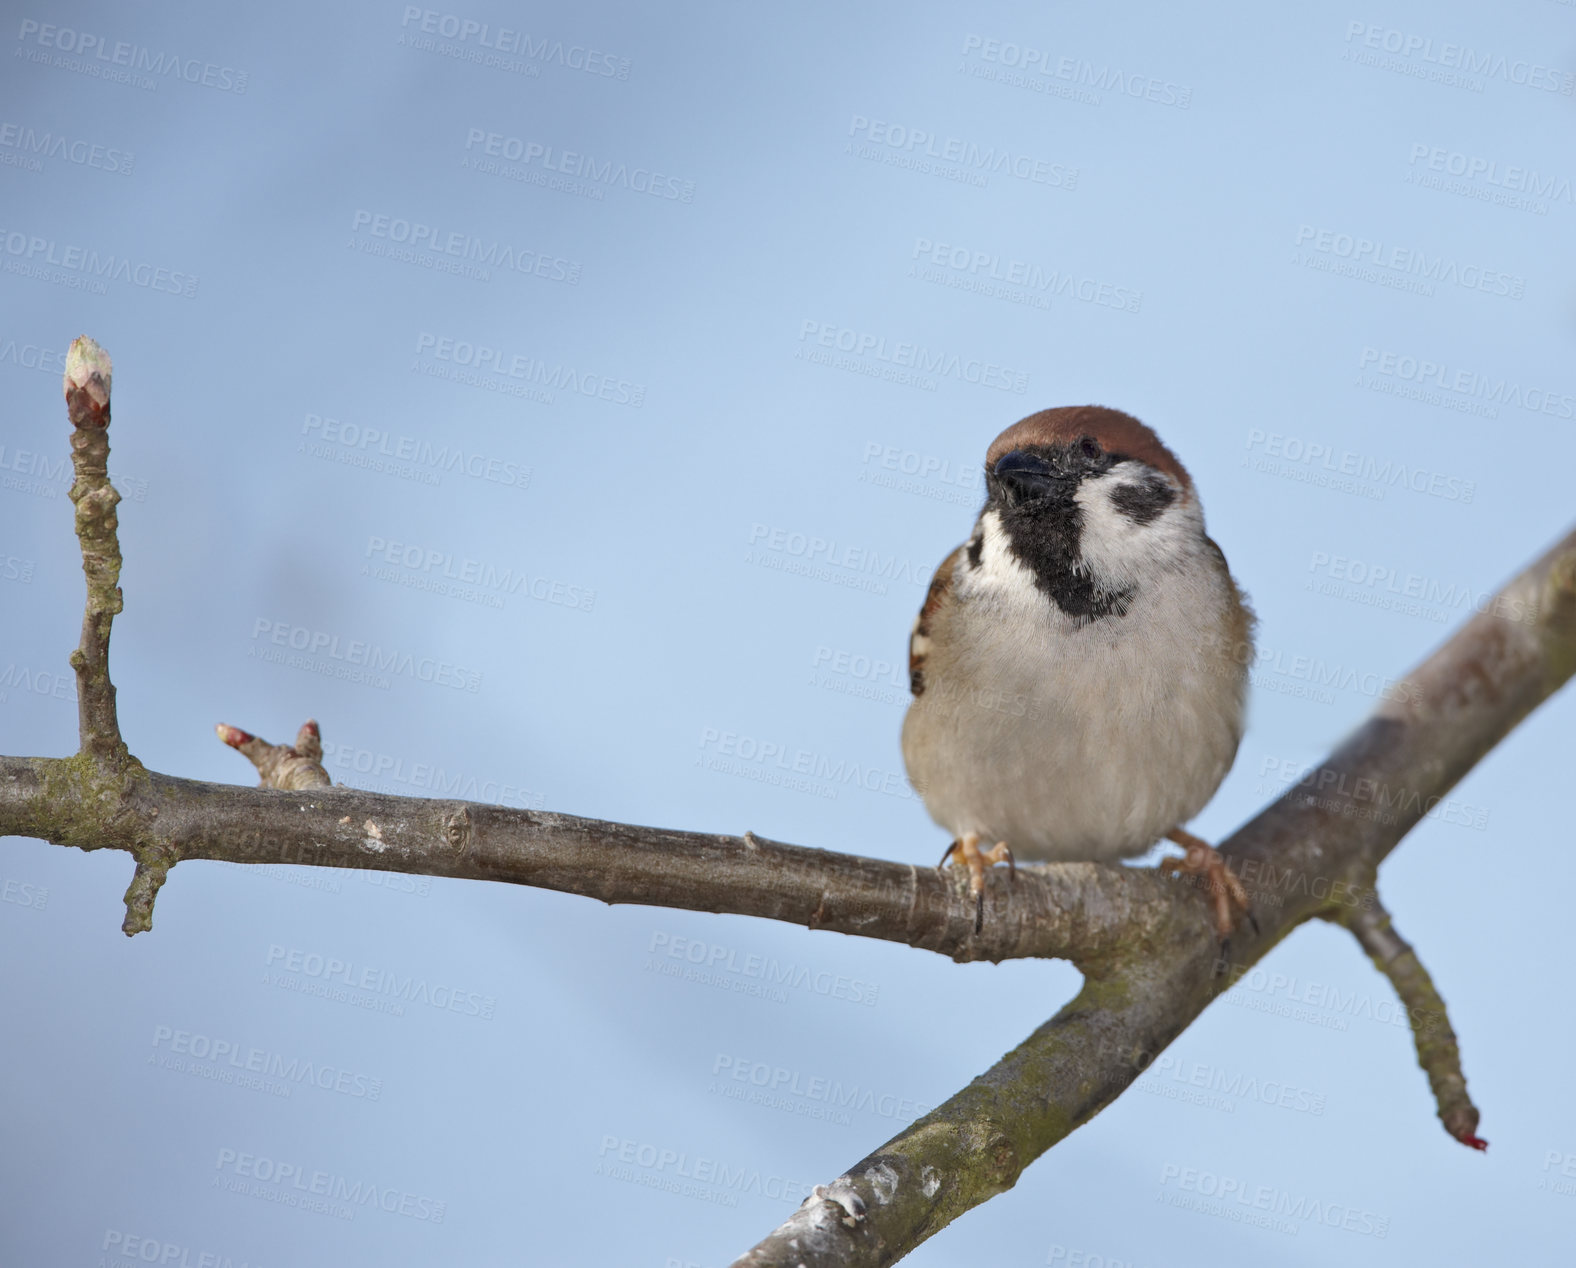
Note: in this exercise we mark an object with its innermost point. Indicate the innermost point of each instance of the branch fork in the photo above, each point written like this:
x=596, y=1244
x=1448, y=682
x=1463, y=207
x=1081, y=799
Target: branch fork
x=1151, y=964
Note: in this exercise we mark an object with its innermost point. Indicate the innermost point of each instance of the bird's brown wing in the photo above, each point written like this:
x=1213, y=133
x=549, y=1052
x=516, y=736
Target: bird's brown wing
x=1243, y=619
x=939, y=594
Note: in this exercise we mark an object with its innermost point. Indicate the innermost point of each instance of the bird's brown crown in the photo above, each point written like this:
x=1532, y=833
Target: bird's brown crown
x=1118, y=433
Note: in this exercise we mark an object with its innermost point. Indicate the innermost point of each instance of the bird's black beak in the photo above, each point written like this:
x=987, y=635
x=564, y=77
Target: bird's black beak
x=1027, y=477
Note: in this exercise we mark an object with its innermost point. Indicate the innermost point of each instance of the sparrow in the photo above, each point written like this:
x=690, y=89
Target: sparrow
x=1079, y=668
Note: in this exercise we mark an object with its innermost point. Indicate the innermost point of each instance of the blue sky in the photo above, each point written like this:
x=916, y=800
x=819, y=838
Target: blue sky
x=621, y=377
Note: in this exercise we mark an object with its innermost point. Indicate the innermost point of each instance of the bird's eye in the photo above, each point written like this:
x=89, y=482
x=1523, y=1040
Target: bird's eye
x=1090, y=448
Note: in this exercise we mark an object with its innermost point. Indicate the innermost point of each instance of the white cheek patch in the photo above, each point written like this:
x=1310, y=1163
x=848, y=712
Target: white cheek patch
x=998, y=574
x=1119, y=550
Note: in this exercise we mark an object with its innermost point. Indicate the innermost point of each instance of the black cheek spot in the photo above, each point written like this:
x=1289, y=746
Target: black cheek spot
x=1142, y=502
x=976, y=545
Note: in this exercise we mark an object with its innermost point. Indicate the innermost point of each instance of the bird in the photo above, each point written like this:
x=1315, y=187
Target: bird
x=1079, y=667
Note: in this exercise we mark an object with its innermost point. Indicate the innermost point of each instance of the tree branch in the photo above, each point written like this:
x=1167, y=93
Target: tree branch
x=1144, y=943
x=1079, y=911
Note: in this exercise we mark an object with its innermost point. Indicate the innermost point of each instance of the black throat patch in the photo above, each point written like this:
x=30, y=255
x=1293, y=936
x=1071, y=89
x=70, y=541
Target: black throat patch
x=1045, y=535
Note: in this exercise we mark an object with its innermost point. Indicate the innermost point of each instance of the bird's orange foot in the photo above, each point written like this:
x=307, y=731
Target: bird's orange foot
x=1202, y=859
x=967, y=847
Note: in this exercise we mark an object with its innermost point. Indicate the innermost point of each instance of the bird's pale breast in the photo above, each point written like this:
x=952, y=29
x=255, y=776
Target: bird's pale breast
x=1078, y=741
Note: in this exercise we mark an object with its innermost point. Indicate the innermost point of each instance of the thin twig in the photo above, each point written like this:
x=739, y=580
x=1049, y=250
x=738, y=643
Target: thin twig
x=146, y=881
x=290, y=767
x=1437, y=1050
x=89, y=374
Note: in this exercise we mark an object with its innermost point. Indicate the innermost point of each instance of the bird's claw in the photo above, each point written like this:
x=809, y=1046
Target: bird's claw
x=1229, y=898
x=967, y=847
